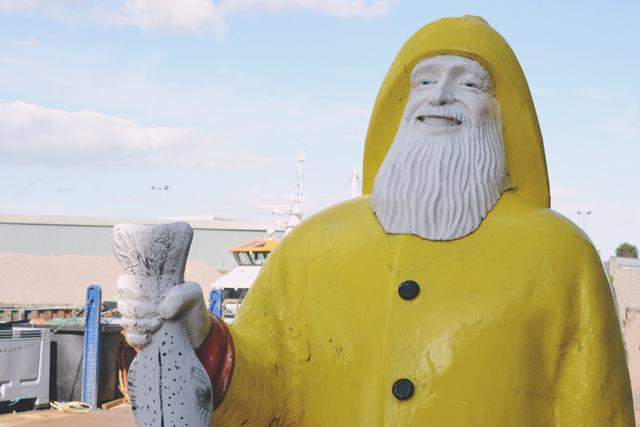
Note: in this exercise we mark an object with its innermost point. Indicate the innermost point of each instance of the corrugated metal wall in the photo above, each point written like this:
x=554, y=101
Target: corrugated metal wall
x=41, y=239
x=209, y=246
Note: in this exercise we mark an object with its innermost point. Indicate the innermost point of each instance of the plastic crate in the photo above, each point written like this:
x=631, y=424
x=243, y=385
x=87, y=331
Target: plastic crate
x=24, y=365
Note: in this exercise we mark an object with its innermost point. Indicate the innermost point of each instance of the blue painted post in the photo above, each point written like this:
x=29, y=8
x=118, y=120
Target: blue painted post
x=215, y=302
x=92, y=346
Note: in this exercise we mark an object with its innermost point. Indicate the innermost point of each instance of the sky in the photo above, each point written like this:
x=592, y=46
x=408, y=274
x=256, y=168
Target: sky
x=100, y=101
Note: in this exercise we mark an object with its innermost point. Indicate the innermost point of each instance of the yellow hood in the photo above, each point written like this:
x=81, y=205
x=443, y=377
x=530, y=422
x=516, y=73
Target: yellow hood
x=473, y=38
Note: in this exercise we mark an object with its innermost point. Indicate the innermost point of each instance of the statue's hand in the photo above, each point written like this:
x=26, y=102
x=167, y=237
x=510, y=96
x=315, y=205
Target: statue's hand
x=141, y=317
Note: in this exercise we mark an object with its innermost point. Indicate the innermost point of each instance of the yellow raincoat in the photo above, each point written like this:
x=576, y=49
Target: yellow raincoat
x=514, y=325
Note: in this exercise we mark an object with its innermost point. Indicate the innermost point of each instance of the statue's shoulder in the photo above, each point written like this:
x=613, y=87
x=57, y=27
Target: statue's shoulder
x=542, y=228
x=348, y=216
x=351, y=220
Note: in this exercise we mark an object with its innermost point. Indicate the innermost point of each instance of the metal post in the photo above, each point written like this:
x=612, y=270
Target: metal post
x=215, y=302
x=92, y=346
x=584, y=219
x=160, y=189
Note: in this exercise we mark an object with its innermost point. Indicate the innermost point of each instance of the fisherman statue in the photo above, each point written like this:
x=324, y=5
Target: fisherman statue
x=448, y=295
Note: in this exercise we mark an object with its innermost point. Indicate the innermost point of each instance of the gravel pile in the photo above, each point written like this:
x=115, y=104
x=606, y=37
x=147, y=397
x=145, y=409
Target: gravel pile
x=63, y=280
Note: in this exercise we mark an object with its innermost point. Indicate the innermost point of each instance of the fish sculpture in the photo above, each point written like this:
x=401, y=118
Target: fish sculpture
x=168, y=386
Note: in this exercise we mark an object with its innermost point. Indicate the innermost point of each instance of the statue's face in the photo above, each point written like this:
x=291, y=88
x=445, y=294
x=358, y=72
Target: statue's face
x=446, y=167
x=449, y=93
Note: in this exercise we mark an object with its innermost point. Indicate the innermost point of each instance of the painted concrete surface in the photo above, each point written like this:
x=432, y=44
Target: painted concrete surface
x=625, y=273
x=120, y=416
x=167, y=383
x=632, y=342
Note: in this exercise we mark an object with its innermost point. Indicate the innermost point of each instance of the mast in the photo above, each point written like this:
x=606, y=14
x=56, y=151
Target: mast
x=354, y=189
x=295, y=216
x=297, y=201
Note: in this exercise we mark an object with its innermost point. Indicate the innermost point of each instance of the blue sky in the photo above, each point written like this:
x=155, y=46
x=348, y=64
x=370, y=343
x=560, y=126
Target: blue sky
x=101, y=100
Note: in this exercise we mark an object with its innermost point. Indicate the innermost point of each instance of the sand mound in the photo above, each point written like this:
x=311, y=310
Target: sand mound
x=63, y=280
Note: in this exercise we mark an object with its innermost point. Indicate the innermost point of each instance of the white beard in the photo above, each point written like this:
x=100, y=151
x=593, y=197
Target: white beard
x=441, y=185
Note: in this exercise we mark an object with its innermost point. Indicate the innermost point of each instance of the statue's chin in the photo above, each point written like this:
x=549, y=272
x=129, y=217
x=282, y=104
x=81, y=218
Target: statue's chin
x=436, y=232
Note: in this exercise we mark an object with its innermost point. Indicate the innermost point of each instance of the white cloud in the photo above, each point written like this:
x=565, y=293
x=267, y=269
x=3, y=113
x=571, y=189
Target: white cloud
x=35, y=135
x=60, y=10
x=171, y=16
x=189, y=16
x=341, y=8
x=11, y=6
x=204, y=16
x=29, y=43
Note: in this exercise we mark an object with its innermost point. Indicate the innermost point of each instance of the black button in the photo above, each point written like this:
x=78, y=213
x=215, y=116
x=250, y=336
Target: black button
x=402, y=389
x=408, y=290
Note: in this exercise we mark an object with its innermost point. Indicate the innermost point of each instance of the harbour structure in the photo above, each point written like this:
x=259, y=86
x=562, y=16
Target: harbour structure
x=230, y=290
x=68, y=235
x=296, y=208
x=47, y=262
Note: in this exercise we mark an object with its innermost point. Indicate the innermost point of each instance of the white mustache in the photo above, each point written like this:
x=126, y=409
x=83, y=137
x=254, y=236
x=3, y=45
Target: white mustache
x=440, y=186
x=453, y=112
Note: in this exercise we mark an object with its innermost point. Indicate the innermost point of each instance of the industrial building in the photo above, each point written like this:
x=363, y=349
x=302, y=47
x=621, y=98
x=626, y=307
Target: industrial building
x=47, y=262
x=64, y=235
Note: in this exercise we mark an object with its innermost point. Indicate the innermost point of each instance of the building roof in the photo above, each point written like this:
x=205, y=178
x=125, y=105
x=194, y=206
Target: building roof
x=627, y=262
x=202, y=223
x=256, y=246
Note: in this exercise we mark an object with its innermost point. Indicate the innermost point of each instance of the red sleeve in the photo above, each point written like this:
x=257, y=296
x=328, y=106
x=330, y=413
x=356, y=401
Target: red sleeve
x=218, y=356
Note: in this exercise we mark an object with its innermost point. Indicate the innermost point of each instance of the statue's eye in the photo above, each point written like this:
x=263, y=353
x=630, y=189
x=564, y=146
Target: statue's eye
x=426, y=82
x=469, y=84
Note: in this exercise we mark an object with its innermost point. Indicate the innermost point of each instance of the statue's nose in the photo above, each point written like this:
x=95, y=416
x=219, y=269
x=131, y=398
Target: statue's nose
x=441, y=94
